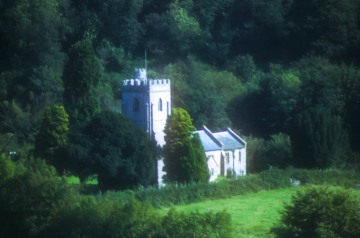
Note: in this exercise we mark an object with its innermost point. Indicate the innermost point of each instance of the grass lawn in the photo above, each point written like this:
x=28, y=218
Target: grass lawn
x=253, y=214
x=73, y=180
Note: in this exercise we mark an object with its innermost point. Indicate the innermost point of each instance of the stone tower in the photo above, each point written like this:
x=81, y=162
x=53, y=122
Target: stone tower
x=147, y=102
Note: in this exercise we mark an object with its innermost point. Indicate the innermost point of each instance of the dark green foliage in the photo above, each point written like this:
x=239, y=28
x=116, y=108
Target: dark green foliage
x=184, y=155
x=255, y=150
x=318, y=139
x=30, y=197
x=35, y=202
x=114, y=149
x=264, y=154
x=81, y=76
x=203, y=91
x=195, y=224
x=31, y=64
x=107, y=217
x=53, y=135
x=321, y=212
x=321, y=85
x=220, y=49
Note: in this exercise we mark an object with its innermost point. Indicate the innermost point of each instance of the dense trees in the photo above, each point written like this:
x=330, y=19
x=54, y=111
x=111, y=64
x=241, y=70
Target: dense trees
x=318, y=139
x=279, y=71
x=254, y=65
x=114, y=149
x=185, y=159
x=31, y=195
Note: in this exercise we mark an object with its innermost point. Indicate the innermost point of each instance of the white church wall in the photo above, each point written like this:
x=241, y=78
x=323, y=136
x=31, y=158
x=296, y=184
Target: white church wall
x=160, y=101
x=160, y=171
x=240, y=162
x=213, y=163
x=242, y=166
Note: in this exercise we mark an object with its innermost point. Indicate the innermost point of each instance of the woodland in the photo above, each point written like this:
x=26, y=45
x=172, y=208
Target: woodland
x=284, y=74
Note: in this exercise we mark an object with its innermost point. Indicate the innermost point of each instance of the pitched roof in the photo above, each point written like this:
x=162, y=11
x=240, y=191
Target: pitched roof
x=225, y=140
x=229, y=141
x=208, y=142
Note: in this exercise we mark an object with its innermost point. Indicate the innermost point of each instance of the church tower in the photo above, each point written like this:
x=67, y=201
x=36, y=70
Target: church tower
x=147, y=102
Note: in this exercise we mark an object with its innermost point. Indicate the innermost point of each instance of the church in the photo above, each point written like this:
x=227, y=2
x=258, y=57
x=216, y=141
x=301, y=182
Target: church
x=147, y=102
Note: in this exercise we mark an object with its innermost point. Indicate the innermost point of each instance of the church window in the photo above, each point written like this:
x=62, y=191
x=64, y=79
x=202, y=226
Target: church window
x=160, y=106
x=240, y=156
x=136, y=105
x=227, y=156
x=168, y=108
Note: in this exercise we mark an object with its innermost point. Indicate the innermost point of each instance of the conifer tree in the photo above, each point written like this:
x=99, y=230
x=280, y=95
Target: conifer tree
x=318, y=138
x=185, y=159
x=81, y=76
x=53, y=133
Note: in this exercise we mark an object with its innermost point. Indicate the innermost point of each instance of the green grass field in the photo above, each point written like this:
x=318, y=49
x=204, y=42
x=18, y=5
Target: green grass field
x=253, y=214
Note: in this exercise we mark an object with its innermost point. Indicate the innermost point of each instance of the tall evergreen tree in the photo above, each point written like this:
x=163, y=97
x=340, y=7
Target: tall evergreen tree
x=185, y=159
x=53, y=134
x=81, y=76
x=318, y=138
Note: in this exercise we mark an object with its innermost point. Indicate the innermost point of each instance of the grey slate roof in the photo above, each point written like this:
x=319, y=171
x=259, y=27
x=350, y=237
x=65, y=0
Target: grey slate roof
x=229, y=141
x=208, y=143
x=225, y=140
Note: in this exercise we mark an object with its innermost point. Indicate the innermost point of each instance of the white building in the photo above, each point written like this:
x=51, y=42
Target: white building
x=147, y=102
x=225, y=152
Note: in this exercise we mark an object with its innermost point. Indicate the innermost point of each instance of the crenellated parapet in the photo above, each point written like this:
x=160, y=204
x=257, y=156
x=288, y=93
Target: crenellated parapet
x=146, y=84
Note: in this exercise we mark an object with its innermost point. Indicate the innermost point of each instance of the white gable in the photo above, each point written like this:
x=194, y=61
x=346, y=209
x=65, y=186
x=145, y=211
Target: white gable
x=225, y=152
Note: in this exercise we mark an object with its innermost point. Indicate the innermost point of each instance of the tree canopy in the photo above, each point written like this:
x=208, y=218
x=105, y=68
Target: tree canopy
x=253, y=65
x=81, y=76
x=53, y=134
x=112, y=147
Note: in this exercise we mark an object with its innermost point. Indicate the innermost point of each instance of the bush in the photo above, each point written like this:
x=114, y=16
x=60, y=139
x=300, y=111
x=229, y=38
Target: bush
x=195, y=224
x=108, y=217
x=31, y=197
x=321, y=211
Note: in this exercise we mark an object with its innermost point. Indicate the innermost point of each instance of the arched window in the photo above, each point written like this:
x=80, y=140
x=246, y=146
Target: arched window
x=136, y=106
x=160, y=106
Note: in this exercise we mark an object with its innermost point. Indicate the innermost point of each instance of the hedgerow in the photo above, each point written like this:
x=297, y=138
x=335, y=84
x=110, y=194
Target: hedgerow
x=172, y=194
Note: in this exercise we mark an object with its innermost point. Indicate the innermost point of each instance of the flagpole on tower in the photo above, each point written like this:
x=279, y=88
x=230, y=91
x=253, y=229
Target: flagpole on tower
x=145, y=62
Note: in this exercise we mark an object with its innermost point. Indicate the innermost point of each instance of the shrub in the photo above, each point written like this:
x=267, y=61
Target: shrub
x=31, y=198
x=207, y=225
x=108, y=217
x=321, y=211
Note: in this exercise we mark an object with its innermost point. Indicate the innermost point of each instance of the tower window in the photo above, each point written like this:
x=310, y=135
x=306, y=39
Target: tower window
x=160, y=106
x=136, y=106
